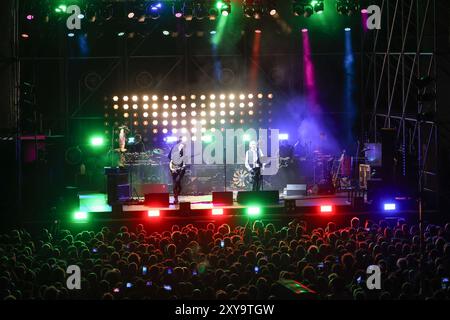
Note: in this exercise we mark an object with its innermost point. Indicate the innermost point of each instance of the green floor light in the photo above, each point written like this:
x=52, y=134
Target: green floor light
x=253, y=211
x=80, y=216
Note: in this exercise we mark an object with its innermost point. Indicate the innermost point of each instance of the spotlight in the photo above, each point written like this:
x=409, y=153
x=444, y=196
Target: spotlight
x=253, y=211
x=213, y=12
x=61, y=8
x=347, y=7
x=298, y=8
x=308, y=11
x=120, y=34
x=388, y=206
x=80, y=216
x=217, y=212
x=153, y=9
x=131, y=15
x=188, y=11
x=326, y=208
x=200, y=11
x=224, y=7
x=177, y=10
x=165, y=32
x=153, y=213
x=318, y=6
x=30, y=17
x=348, y=29
x=304, y=30
x=248, y=11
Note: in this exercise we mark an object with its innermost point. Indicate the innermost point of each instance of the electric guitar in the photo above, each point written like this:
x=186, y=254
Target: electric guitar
x=176, y=168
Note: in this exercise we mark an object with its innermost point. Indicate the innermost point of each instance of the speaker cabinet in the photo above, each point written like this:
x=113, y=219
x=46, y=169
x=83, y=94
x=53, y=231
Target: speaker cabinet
x=224, y=198
x=258, y=197
x=157, y=199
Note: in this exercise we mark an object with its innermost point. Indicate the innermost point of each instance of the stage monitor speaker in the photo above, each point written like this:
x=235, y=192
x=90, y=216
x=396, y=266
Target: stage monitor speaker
x=146, y=188
x=224, y=198
x=258, y=197
x=374, y=189
x=115, y=177
x=290, y=205
x=185, y=207
x=296, y=190
x=325, y=188
x=157, y=199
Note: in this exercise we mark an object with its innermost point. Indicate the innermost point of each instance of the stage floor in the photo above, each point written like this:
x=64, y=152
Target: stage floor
x=97, y=202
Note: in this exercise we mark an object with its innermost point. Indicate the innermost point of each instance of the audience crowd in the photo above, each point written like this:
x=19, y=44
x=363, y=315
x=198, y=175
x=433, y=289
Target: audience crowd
x=221, y=262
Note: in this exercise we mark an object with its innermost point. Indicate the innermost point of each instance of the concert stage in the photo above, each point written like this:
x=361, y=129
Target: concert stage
x=202, y=208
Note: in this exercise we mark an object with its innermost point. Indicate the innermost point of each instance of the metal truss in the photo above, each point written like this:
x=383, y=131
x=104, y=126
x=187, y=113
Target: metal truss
x=403, y=50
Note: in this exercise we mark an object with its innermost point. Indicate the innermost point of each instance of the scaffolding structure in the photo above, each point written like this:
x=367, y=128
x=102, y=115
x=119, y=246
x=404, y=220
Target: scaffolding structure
x=400, y=87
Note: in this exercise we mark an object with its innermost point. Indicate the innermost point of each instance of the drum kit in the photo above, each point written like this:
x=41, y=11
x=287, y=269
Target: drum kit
x=152, y=157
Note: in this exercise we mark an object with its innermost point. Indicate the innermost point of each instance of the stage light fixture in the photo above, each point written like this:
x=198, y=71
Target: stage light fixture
x=318, y=6
x=326, y=208
x=389, y=206
x=200, y=11
x=299, y=9
x=253, y=211
x=126, y=115
x=188, y=11
x=217, y=211
x=213, y=11
x=347, y=29
x=154, y=212
x=248, y=11
x=347, y=7
x=177, y=9
x=225, y=7
x=96, y=141
x=120, y=34
x=80, y=216
x=62, y=8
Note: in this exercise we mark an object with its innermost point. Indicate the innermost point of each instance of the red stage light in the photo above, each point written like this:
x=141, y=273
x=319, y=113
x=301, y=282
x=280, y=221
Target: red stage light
x=326, y=208
x=217, y=211
x=153, y=213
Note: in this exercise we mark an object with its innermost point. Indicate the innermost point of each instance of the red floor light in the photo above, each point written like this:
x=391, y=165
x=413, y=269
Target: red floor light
x=217, y=211
x=326, y=208
x=153, y=213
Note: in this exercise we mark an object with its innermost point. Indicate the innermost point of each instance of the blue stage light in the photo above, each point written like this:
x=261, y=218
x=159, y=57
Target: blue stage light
x=389, y=206
x=283, y=136
x=171, y=139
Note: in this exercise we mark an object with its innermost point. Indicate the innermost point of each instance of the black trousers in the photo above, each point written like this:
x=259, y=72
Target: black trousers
x=256, y=179
x=176, y=179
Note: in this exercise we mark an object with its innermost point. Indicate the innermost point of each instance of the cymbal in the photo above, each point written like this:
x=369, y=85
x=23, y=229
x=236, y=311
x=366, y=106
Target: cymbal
x=158, y=151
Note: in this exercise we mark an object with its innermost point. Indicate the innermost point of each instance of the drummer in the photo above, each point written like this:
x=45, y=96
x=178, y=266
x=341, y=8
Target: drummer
x=138, y=145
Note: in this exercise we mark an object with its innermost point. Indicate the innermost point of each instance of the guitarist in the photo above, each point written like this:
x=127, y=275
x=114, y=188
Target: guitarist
x=177, y=167
x=254, y=165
